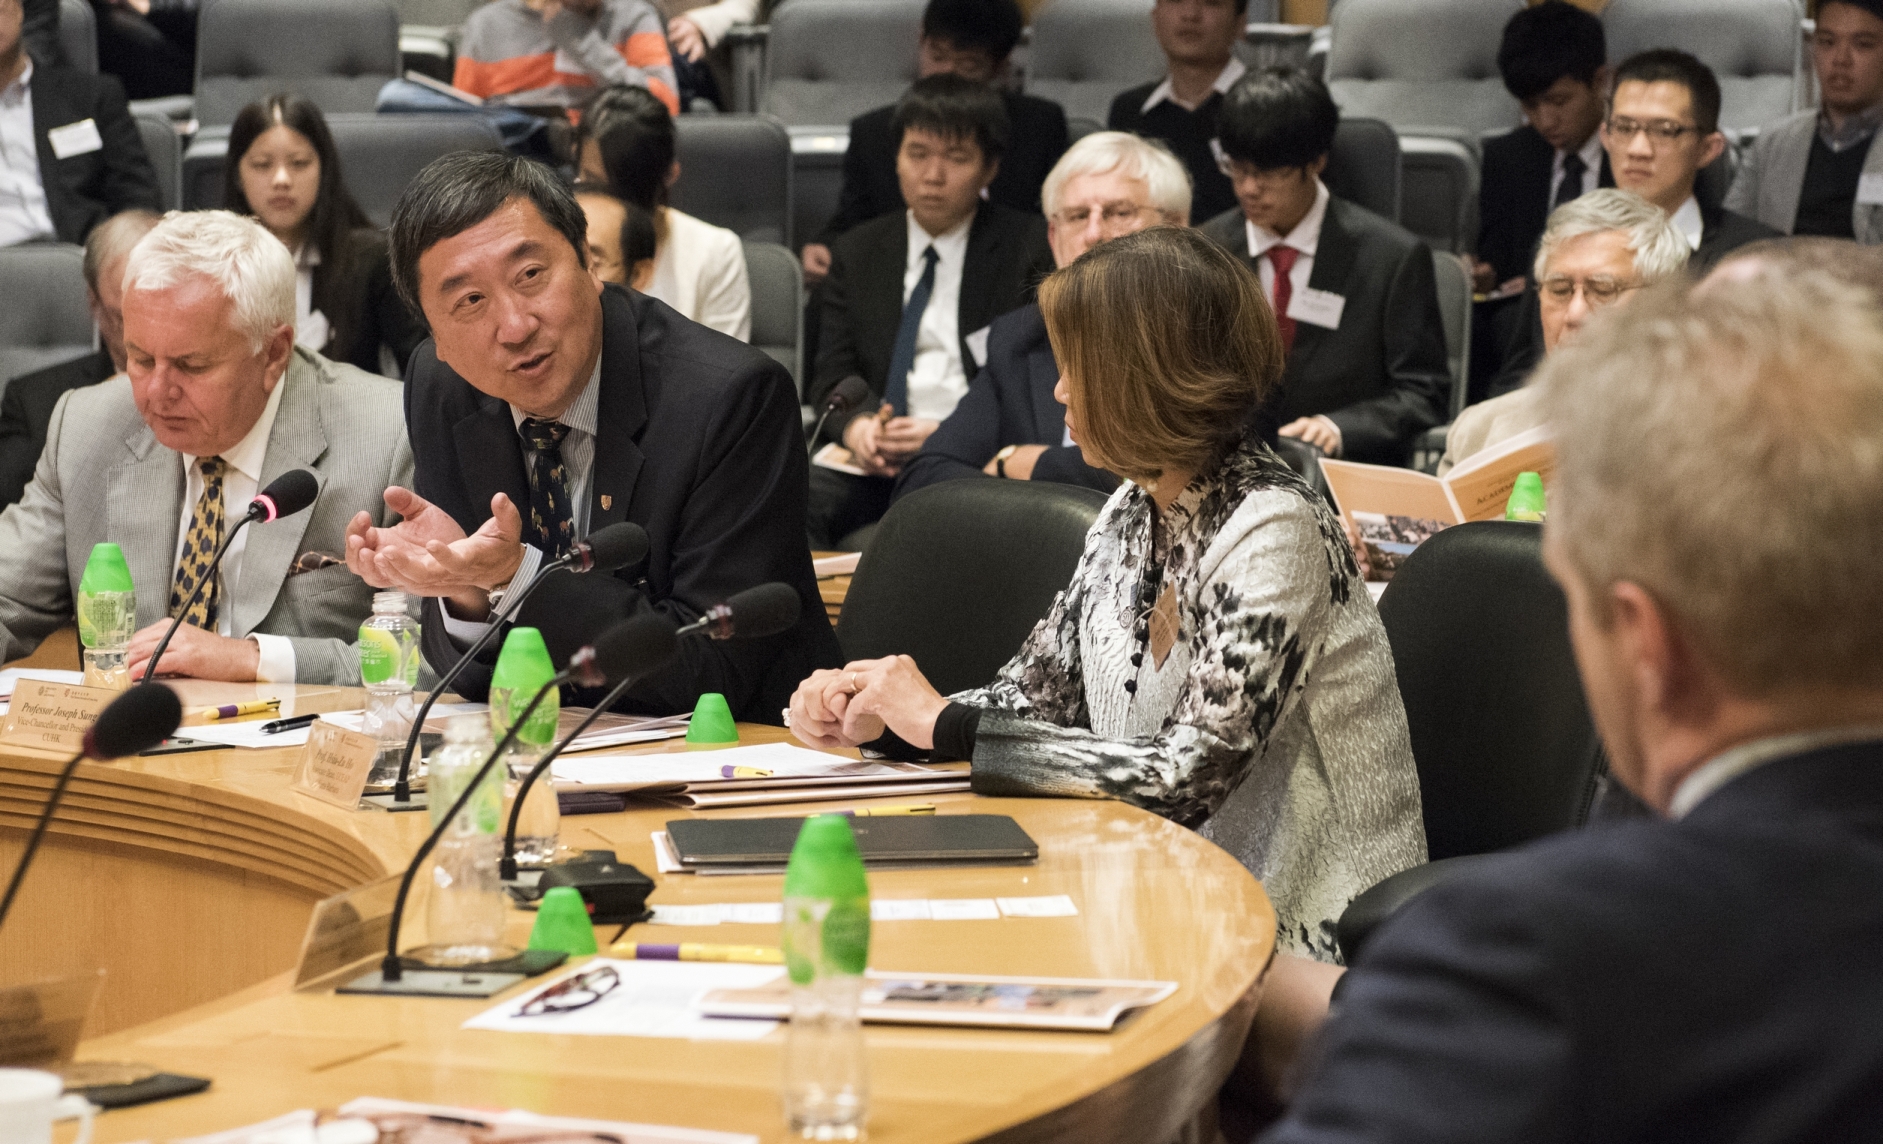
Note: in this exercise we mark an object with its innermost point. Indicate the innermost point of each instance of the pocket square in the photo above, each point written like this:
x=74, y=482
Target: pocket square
x=312, y=562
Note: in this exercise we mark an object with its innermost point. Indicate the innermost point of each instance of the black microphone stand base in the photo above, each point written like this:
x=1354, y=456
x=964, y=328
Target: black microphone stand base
x=486, y=979
x=388, y=802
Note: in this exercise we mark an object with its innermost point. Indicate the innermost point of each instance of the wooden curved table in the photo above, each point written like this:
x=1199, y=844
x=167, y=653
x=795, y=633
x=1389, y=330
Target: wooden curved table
x=190, y=878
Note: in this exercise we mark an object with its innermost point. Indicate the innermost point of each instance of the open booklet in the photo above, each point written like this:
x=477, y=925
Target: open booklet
x=749, y=776
x=1068, y=1003
x=1395, y=510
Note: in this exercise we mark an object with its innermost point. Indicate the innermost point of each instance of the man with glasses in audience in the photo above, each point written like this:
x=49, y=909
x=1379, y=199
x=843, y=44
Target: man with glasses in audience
x=1354, y=293
x=1010, y=425
x=1820, y=171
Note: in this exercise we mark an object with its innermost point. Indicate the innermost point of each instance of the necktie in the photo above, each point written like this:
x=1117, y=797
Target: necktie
x=1570, y=189
x=896, y=386
x=199, y=548
x=551, y=525
x=1282, y=258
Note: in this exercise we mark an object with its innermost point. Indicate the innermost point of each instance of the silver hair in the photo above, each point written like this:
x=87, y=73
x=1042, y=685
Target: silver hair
x=1659, y=248
x=113, y=238
x=251, y=266
x=1131, y=155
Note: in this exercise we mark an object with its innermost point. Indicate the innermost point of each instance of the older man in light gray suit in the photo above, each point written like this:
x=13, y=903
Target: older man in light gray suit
x=218, y=403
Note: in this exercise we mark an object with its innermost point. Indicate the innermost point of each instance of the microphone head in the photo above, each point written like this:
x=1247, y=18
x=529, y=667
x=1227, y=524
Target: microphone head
x=135, y=721
x=847, y=394
x=764, y=610
x=616, y=546
x=286, y=495
x=635, y=647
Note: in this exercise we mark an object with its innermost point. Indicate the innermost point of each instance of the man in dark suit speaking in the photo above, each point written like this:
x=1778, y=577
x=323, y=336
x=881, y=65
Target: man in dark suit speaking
x=1711, y=975
x=1353, y=292
x=543, y=409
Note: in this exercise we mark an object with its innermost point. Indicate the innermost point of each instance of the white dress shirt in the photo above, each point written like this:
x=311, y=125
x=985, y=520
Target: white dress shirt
x=1591, y=155
x=1305, y=238
x=24, y=215
x=241, y=479
x=1688, y=222
x=938, y=379
x=1225, y=79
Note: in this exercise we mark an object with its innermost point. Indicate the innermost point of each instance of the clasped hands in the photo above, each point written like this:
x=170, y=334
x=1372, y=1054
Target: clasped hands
x=853, y=705
x=882, y=444
x=428, y=554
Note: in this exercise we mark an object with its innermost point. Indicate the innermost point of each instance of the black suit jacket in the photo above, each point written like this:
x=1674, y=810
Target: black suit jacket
x=26, y=411
x=1036, y=139
x=1011, y=402
x=364, y=307
x=862, y=298
x=1383, y=376
x=699, y=443
x=1188, y=134
x=1514, y=199
x=1712, y=979
x=84, y=190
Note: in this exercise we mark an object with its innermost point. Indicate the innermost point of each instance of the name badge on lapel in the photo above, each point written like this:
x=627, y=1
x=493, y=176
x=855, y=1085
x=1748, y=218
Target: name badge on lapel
x=1870, y=188
x=1317, y=307
x=79, y=138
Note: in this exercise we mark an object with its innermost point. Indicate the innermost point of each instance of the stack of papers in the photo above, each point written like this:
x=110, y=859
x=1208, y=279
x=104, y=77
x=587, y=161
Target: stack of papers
x=723, y=778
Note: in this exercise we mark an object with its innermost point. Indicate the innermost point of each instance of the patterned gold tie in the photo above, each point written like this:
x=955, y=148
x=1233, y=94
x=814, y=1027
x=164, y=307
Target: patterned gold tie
x=199, y=548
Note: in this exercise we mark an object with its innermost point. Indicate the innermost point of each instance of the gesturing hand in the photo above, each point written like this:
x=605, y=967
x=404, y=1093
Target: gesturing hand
x=428, y=554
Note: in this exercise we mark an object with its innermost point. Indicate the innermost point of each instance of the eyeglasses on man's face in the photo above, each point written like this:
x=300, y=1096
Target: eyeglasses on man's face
x=1111, y=216
x=1657, y=130
x=1596, y=291
x=1237, y=170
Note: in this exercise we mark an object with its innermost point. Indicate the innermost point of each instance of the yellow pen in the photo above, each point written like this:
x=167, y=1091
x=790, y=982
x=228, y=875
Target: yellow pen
x=730, y=772
x=698, y=951
x=237, y=710
x=888, y=811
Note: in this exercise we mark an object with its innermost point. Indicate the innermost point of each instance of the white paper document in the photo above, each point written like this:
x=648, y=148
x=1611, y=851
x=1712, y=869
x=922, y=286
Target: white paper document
x=962, y=909
x=247, y=734
x=1048, y=906
x=653, y=999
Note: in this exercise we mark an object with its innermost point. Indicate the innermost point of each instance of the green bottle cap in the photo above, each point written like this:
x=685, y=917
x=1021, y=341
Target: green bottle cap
x=524, y=663
x=105, y=571
x=562, y=923
x=712, y=721
x=825, y=862
x=1526, y=498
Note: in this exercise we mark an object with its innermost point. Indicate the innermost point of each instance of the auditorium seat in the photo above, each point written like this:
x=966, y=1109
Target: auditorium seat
x=338, y=53
x=1085, y=52
x=829, y=61
x=1364, y=166
x=46, y=319
x=1428, y=67
x=78, y=35
x=777, y=284
x=1755, y=47
x=735, y=172
x=958, y=573
x=1439, y=199
x=166, y=155
x=1501, y=735
x=1454, y=307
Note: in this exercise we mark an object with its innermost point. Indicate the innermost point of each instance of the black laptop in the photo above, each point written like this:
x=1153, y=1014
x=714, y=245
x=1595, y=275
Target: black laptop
x=938, y=839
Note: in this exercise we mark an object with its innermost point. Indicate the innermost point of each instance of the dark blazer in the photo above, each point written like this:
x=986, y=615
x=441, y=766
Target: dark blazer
x=1011, y=402
x=700, y=443
x=364, y=308
x=84, y=190
x=862, y=298
x=1722, y=232
x=1036, y=139
x=1709, y=979
x=1188, y=134
x=26, y=411
x=1514, y=199
x=1383, y=376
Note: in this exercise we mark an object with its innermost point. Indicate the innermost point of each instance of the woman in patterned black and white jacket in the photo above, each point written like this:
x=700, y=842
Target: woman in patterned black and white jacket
x=1216, y=658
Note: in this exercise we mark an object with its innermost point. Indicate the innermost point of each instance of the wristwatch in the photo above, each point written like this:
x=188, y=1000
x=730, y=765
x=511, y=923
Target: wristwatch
x=1000, y=460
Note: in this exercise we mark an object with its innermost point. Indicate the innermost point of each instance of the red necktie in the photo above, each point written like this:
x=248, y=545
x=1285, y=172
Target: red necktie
x=1282, y=258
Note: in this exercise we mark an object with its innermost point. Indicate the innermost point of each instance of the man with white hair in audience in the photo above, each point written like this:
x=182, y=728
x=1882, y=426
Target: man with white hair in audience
x=218, y=402
x=1597, y=251
x=1009, y=425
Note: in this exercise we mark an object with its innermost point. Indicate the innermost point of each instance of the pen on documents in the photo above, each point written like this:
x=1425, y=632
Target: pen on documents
x=280, y=725
x=731, y=772
x=698, y=951
x=888, y=811
x=237, y=710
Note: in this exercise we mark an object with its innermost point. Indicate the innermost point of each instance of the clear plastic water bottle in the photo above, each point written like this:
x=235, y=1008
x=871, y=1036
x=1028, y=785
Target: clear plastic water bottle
x=523, y=667
x=107, y=617
x=826, y=947
x=389, y=670
x=467, y=908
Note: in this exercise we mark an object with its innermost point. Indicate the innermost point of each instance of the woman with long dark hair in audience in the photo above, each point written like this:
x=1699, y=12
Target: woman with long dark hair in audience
x=1216, y=658
x=699, y=269
x=283, y=171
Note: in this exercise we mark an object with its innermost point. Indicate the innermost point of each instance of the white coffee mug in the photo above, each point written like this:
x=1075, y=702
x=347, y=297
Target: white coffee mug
x=30, y=1102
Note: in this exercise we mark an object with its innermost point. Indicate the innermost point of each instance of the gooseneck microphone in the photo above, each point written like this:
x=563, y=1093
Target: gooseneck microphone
x=605, y=549
x=617, y=653
x=135, y=721
x=756, y=612
x=286, y=495
x=843, y=397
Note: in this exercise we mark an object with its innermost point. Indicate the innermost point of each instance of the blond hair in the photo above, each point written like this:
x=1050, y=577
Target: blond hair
x=1167, y=346
x=1722, y=448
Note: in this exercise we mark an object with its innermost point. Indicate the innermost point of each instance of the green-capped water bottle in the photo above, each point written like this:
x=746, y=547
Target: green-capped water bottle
x=826, y=948
x=389, y=658
x=523, y=667
x=1526, y=498
x=107, y=617
x=467, y=909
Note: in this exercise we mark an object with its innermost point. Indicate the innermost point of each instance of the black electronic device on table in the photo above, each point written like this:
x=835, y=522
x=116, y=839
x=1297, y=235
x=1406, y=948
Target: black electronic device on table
x=928, y=840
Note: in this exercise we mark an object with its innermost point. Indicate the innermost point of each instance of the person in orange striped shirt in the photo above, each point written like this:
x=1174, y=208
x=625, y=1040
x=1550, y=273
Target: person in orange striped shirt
x=557, y=51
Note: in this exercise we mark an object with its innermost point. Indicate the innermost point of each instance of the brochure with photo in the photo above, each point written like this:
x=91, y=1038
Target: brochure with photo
x=1066, y=1003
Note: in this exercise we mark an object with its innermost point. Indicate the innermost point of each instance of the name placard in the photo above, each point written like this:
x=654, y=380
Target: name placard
x=334, y=765
x=53, y=716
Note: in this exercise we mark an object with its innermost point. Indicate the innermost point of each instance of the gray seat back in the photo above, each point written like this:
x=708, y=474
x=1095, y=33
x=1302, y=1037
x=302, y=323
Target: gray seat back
x=1424, y=66
x=1085, y=52
x=1364, y=166
x=338, y=53
x=1753, y=47
x=1440, y=198
x=735, y=172
x=830, y=61
x=1454, y=309
x=46, y=319
x=380, y=154
x=166, y=155
x=78, y=35
x=777, y=285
